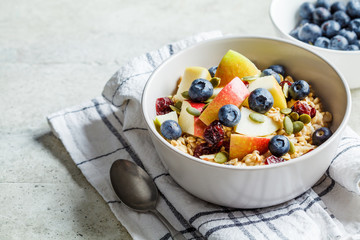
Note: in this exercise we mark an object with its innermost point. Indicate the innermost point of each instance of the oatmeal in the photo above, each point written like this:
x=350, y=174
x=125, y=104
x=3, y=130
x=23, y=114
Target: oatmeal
x=235, y=114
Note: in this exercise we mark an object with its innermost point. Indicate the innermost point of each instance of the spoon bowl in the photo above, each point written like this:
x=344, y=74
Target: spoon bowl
x=136, y=189
x=133, y=186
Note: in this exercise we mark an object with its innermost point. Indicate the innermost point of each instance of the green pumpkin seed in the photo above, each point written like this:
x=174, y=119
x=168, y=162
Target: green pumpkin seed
x=249, y=78
x=288, y=125
x=285, y=111
x=178, y=104
x=175, y=109
x=257, y=117
x=298, y=126
x=205, y=106
x=209, y=100
x=193, y=111
x=292, y=147
x=185, y=95
x=305, y=118
x=294, y=116
x=221, y=157
x=215, y=81
x=285, y=90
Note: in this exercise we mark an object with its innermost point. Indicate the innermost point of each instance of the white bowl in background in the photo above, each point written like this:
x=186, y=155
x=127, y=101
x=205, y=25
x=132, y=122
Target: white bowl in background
x=285, y=17
x=258, y=186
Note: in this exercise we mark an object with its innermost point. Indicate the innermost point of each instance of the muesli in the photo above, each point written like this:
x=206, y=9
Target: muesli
x=237, y=115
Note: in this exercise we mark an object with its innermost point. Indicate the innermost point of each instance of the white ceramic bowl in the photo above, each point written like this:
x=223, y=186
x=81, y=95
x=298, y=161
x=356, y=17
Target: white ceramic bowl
x=259, y=186
x=284, y=15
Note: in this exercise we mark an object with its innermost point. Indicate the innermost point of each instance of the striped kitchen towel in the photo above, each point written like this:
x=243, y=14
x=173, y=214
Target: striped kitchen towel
x=111, y=127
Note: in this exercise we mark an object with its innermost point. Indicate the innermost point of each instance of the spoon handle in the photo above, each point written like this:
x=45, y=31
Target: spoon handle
x=175, y=234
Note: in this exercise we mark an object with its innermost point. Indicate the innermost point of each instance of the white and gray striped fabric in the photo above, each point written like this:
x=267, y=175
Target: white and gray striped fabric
x=111, y=127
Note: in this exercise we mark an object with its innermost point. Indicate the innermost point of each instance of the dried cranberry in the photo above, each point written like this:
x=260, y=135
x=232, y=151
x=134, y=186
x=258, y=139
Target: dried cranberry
x=204, y=149
x=226, y=145
x=272, y=159
x=246, y=83
x=163, y=105
x=302, y=107
x=214, y=134
x=285, y=81
x=312, y=112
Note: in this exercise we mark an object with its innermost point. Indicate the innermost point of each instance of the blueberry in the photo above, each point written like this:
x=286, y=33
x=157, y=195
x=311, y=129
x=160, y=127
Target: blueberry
x=268, y=72
x=170, y=129
x=294, y=33
x=200, y=90
x=338, y=43
x=355, y=26
x=321, y=15
x=349, y=35
x=229, y=115
x=212, y=71
x=323, y=3
x=306, y=10
x=337, y=6
x=321, y=135
x=330, y=28
x=303, y=22
x=309, y=32
x=352, y=47
x=260, y=100
x=280, y=69
x=342, y=18
x=322, y=42
x=279, y=145
x=353, y=8
x=299, y=90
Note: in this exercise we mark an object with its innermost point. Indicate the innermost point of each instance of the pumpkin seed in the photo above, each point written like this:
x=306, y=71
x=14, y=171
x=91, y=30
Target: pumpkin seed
x=285, y=111
x=175, y=109
x=292, y=147
x=294, y=116
x=193, y=111
x=298, y=126
x=215, y=81
x=178, y=104
x=249, y=78
x=288, y=125
x=285, y=89
x=205, y=106
x=185, y=94
x=221, y=157
x=209, y=100
x=257, y=117
x=305, y=118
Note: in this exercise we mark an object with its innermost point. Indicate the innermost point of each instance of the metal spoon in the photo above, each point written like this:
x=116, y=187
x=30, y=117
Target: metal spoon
x=136, y=189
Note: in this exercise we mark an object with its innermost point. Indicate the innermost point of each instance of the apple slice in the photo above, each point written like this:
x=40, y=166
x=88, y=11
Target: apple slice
x=190, y=74
x=234, y=64
x=251, y=128
x=162, y=118
x=269, y=83
x=241, y=145
x=234, y=93
x=189, y=123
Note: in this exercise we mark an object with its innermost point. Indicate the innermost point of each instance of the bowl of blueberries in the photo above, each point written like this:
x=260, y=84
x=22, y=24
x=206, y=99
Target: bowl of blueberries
x=330, y=28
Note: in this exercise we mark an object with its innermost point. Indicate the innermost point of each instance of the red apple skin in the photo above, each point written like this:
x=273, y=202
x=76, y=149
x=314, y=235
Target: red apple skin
x=198, y=126
x=241, y=145
x=235, y=92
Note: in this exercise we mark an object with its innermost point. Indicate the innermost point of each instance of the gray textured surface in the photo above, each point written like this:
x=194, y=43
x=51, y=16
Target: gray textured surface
x=58, y=54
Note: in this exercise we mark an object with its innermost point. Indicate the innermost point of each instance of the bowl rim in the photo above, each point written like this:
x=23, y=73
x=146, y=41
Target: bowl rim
x=151, y=127
x=271, y=13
